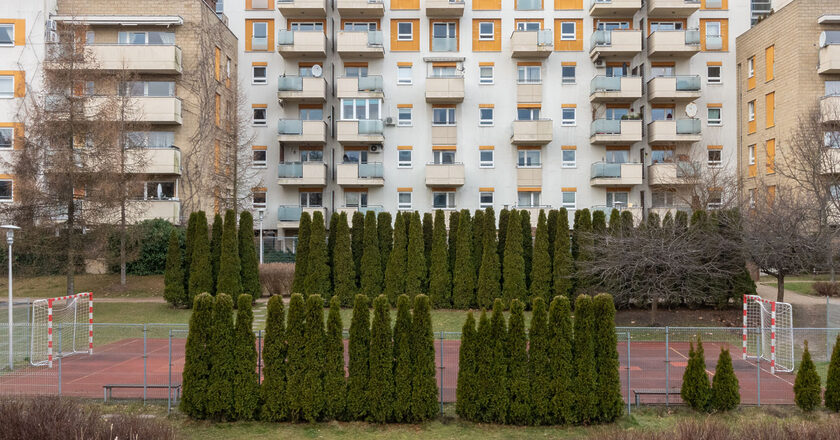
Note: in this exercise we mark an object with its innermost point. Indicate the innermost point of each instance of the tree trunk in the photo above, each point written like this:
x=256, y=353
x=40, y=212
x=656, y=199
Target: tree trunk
x=122, y=243
x=71, y=255
x=780, y=292
x=653, y=308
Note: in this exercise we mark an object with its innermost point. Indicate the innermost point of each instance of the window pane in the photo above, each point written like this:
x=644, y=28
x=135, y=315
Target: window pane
x=6, y=135
x=7, y=34
x=6, y=85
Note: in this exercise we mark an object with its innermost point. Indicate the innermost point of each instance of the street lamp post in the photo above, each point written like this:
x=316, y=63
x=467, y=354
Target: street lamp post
x=261, y=211
x=10, y=238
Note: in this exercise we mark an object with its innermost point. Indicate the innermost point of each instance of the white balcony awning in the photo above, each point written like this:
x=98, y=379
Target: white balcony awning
x=121, y=20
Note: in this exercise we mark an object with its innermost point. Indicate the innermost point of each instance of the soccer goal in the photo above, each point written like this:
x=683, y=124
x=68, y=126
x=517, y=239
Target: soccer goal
x=61, y=326
x=768, y=332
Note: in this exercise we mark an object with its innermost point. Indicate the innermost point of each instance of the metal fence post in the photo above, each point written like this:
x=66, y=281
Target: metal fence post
x=628, y=373
x=667, y=369
x=169, y=377
x=259, y=357
x=59, y=359
x=758, y=377
x=441, y=373
x=145, y=363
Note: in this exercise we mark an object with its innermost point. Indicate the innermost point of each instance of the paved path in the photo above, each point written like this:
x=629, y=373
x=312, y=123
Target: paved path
x=794, y=298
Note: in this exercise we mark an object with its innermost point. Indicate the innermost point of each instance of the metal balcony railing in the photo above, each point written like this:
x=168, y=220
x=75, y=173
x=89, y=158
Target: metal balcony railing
x=290, y=126
x=371, y=126
x=290, y=170
x=688, y=126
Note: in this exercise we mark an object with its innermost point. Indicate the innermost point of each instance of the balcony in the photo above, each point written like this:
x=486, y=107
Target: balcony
x=445, y=90
x=636, y=211
x=303, y=89
x=614, y=8
x=153, y=110
x=361, y=8
x=674, y=44
x=616, y=43
x=359, y=87
x=674, y=131
x=529, y=176
x=360, y=44
x=158, y=59
x=364, y=174
x=615, y=131
x=830, y=109
x=672, y=8
x=302, y=174
x=295, y=131
x=532, y=44
x=615, y=174
x=536, y=132
x=360, y=132
x=169, y=210
x=350, y=210
x=444, y=8
x=831, y=161
x=302, y=44
x=617, y=89
x=288, y=216
x=529, y=92
x=444, y=44
x=154, y=160
x=444, y=134
x=449, y=174
x=302, y=8
x=672, y=89
x=830, y=58
x=673, y=173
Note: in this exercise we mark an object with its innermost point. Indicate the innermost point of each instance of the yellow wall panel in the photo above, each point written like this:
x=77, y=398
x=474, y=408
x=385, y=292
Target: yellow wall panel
x=494, y=45
x=412, y=45
x=568, y=45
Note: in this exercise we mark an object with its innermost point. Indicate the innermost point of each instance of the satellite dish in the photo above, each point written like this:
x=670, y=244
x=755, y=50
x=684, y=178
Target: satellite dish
x=317, y=71
x=691, y=110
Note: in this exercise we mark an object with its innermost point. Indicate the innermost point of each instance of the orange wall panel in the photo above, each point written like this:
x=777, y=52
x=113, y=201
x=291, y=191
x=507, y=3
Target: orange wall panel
x=494, y=45
x=568, y=45
x=412, y=45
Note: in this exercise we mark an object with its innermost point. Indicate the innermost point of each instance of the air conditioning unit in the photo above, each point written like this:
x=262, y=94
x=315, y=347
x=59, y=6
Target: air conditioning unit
x=375, y=148
x=599, y=62
x=389, y=121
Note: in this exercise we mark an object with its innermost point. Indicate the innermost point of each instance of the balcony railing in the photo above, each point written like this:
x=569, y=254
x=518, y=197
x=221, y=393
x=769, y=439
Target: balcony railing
x=371, y=126
x=290, y=170
x=444, y=44
x=713, y=42
x=369, y=170
x=605, y=169
x=290, y=126
x=376, y=209
x=370, y=83
x=605, y=126
x=688, y=126
x=290, y=84
x=688, y=83
x=692, y=37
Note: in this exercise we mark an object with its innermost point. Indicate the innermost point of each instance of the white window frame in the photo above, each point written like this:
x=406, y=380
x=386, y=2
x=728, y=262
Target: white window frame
x=451, y=202
x=533, y=198
x=714, y=79
x=400, y=79
x=714, y=163
x=751, y=67
x=11, y=196
x=485, y=163
x=11, y=135
x=402, y=163
x=751, y=111
x=11, y=92
x=568, y=79
x=569, y=163
x=525, y=74
x=256, y=204
x=259, y=122
x=259, y=163
x=751, y=152
x=484, y=35
x=449, y=111
x=367, y=115
x=12, y=33
x=263, y=24
x=400, y=121
x=482, y=121
x=484, y=79
x=567, y=205
x=566, y=36
x=523, y=154
x=568, y=122
x=256, y=79
x=714, y=122
x=403, y=36
x=402, y=205
x=483, y=204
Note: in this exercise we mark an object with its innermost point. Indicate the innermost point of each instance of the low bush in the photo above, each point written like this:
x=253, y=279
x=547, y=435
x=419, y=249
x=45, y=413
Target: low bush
x=146, y=246
x=277, y=278
x=826, y=288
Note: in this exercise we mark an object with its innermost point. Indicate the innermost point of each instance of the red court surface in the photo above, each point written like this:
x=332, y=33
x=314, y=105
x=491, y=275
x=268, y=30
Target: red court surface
x=122, y=362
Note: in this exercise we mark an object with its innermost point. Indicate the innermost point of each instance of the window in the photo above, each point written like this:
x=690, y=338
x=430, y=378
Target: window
x=617, y=199
x=714, y=39
x=485, y=159
x=405, y=31
x=259, y=75
x=259, y=35
x=307, y=26
x=355, y=199
x=355, y=156
x=7, y=86
x=162, y=190
x=568, y=74
x=6, y=190
x=360, y=109
x=440, y=71
x=259, y=117
x=485, y=75
x=715, y=158
x=715, y=200
x=485, y=199
x=568, y=116
x=662, y=199
x=529, y=159
x=311, y=156
x=528, y=26
x=7, y=34
x=568, y=30
x=147, y=38
x=403, y=74
x=258, y=200
x=147, y=88
x=7, y=136
x=443, y=116
x=832, y=88
x=259, y=158
x=529, y=74
x=443, y=200
x=751, y=150
x=443, y=157
x=527, y=199
x=486, y=30
x=444, y=37
x=713, y=116
x=569, y=159
x=832, y=139
x=404, y=200
x=751, y=111
x=404, y=159
x=751, y=67
x=662, y=114
x=617, y=156
x=404, y=116
x=527, y=114
x=485, y=116
x=150, y=139
x=311, y=114
x=568, y=200
x=311, y=199
x=713, y=75
x=355, y=71
x=359, y=26
x=665, y=26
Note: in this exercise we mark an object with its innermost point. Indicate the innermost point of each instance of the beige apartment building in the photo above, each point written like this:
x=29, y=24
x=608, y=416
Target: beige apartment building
x=788, y=66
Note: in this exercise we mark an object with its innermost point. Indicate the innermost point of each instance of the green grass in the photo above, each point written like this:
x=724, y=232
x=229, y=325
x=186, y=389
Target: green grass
x=102, y=286
x=803, y=287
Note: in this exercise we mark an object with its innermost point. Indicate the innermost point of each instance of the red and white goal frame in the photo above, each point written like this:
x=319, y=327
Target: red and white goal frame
x=768, y=332
x=71, y=315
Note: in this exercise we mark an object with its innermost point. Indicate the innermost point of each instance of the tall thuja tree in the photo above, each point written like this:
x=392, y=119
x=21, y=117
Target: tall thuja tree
x=403, y=364
x=520, y=394
x=615, y=222
x=332, y=236
x=563, y=267
x=201, y=278
x=344, y=277
x=380, y=391
x=527, y=245
x=695, y=390
x=395, y=272
x=440, y=280
x=561, y=362
x=296, y=357
x=313, y=399
x=504, y=218
x=371, y=284
x=586, y=401
x=668, y=221
x=484, y=379
x=467, y=390
x=463, y=279
x=273, y=387
x=386, y=238
x=513, y=264
x=725, y=393
x=584, y=243
x=357, y=234
x=197, y=358
x=599, y=222
x=541, y=267
x=335, y=386
x=610, y=404
x=681, y=220
x=302, y=253
x=832, y=381
x=424, y=391
x=477, y=240
x=653, y=221
x=173, y=275
x=250, y=270
x=246, y=387
x=428, y=233
x=216, y=248
x=189, y=244
x=627, y=222
x=222, y=365
x=454, y=222
x=415, y=263
x=498, y=398
x=358, y=368
x=488, y=287
x=552, y=230
x=230, y=268
x=576, y=234
x=317, y=280
x=806, y=386
x=539, y=364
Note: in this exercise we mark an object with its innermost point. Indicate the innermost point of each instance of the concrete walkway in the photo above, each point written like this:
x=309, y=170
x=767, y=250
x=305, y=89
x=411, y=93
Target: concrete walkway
x=794, y=298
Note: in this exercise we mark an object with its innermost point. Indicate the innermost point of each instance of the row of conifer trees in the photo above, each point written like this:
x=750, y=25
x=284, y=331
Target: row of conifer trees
x=222, y=261
x=564, y=371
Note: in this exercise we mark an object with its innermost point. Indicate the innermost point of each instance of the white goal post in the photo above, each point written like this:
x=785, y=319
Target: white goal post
x=768, y=332
x=66, y=321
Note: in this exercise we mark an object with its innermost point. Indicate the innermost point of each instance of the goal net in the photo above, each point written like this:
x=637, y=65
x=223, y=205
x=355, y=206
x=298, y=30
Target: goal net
x=61, y=326
x=768, y=332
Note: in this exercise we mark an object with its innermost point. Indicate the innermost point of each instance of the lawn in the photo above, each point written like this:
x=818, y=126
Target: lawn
x=803, y=287
x=102, y=286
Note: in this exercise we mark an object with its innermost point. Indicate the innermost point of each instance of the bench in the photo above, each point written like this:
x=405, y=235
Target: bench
x=174, y=393
x=654, y=392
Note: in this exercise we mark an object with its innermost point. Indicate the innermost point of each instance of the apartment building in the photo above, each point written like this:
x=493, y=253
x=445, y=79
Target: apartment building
x=439, y=104
x=181, y=61
x=788, y=65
